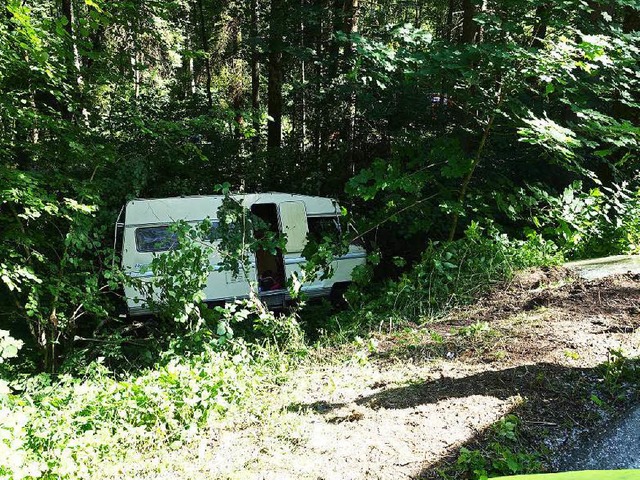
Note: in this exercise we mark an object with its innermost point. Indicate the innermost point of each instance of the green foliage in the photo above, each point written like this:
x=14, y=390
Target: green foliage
x=456, y=272
x=598, y=222
x=320, y=256
x=49, y=250
x=180, y=275
x=618, y=371
x=476, y=329
x=498, y=460
x=255, y=323
x=9, y=346
x=237, y=237
x=64, y=427
x=503, y=456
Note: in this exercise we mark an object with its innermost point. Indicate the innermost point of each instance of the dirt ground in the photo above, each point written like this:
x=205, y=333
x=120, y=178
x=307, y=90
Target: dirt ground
x=403, y=404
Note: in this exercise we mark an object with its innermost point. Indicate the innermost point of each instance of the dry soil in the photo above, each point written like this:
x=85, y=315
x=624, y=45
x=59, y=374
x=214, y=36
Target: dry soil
x=403, y=404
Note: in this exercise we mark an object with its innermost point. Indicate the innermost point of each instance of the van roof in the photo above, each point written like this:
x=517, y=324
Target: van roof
x=144, y=211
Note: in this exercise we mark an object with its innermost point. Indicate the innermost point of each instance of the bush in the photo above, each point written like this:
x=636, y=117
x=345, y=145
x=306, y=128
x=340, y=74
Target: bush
x=451, y=273
x=456, y=272
x=64, y=427
x=591, y=223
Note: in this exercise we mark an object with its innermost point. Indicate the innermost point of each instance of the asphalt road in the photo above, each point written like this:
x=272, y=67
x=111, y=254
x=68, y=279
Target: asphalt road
x=619, y=445
x=603, y=267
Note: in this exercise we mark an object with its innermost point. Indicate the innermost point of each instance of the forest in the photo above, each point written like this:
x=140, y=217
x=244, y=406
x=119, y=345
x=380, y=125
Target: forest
x=465, y=140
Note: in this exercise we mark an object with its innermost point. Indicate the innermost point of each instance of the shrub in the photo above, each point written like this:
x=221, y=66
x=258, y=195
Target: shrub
x=590, y=223
x=451, y=273
x=65, y=426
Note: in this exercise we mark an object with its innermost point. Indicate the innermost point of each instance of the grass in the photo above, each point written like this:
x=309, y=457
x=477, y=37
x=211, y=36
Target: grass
x=236, y=410
x=64, y=426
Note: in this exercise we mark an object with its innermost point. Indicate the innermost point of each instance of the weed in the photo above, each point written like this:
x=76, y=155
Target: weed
x=540, y=378
x=506, y=428
x=476, y=329
x=436, y=338
x=500, y=355
x=572, y=354
x=503, y=456
x=473, y=462
x=598, y=401
x=365, y=348
x=619, y=370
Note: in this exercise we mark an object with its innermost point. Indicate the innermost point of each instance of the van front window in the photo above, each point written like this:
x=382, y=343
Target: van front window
x=320, y=227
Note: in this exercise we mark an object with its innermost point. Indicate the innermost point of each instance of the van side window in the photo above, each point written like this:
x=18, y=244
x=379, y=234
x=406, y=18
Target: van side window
x=155, y=239
x=213, y=233
x=320, y=227
x=160, y=239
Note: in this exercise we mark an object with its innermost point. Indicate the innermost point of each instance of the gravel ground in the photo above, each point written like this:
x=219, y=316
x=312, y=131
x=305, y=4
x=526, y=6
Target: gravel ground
x=537, y=348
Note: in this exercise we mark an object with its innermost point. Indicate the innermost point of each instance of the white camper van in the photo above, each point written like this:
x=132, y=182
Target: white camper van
x=146, y=233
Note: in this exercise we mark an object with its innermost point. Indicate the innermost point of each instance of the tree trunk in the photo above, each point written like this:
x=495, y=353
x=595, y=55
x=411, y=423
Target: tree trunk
x=236, y=91
x=449, y=27
x=631, y=21
x=136, y=72
x=334, y=48
x=351, y=27
x=274, y=101
x=255, y=77
x=303, y=80
x=540, y=30
x=75, y=76
x=205, y=47
x=469, y=26
x=321, y=42
x=630, y=24
x=462, y=195
x=479, y=28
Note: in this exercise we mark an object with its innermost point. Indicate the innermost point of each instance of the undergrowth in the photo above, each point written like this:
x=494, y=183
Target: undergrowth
x=448, y=274
x=64, y=426
x=502, y=454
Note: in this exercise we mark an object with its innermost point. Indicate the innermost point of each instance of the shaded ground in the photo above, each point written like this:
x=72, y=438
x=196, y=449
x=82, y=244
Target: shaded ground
x=540, y=348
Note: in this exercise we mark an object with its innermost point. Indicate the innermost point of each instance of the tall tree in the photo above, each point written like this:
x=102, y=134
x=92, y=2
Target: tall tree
x=75, y=63
x=255, y=74
x=274, y=94
x=204, y=42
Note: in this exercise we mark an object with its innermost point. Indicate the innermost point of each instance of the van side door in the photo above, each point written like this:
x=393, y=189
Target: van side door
x=293, y=223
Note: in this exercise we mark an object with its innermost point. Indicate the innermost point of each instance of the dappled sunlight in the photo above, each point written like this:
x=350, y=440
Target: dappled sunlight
x=355, y=439
x=240, y=239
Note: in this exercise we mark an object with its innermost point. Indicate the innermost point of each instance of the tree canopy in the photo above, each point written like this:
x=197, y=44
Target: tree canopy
x=424, y=118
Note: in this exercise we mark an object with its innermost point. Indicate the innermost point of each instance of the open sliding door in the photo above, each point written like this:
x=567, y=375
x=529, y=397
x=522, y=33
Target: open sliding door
x=293, y=223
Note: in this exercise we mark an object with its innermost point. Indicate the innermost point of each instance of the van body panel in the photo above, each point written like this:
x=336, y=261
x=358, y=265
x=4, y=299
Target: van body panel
x=293, y=212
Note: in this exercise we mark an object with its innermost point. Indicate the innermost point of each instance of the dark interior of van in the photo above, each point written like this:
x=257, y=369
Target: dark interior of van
x=269, y=266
